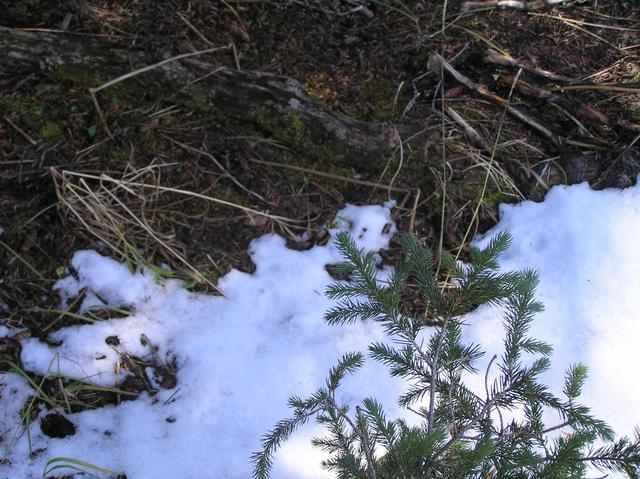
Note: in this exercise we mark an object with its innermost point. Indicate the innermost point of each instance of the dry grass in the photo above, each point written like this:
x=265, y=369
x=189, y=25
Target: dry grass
x=136, y=210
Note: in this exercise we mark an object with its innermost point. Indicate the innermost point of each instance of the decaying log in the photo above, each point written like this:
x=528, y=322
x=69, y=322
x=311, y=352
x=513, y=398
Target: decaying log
x=277, y=106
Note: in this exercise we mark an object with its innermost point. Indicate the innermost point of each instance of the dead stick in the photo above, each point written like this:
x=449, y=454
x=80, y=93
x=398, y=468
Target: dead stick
x=510, y=4
x=492, y=56
x=581, y=130
x=217, y=163
x=20, y=130
x=436, y=62
x=311, y=171
x=94, y=99
x=412, y=220
x=540, y=93
x=618, y=87
x=93, y=91
x=470, y=132
x=155, y=65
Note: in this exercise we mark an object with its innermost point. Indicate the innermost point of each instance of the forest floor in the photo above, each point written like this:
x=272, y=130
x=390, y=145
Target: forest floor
x=576, y=83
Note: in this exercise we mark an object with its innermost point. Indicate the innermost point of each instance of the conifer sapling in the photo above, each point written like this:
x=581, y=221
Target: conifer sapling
x=461, y=432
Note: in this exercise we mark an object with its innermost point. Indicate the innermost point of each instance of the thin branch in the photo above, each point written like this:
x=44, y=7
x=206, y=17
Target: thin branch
x=436, y=62
x=434, y=370
x=363, y=439
x=20, y=130
x=472, y=423
x=510, y=4
x=492, y=56
x=139, y=71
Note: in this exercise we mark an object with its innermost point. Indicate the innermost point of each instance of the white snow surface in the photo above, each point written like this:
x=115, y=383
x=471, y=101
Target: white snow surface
x=242, y=355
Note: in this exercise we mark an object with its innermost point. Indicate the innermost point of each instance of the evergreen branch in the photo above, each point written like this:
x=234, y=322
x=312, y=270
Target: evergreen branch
x=360, y=432
x=414, y=393
x=367, y=448
x=488, y=258
x=622, y=456
x=574, y=380
x=348, y=312
x=385, y=432
x=402, y=363
x=419, y=263
x=434, y=369
x=450, y=264
x=363, y=264
x=462, y=434
x=263, y=460
x=461, y=431
x=579, y=417
x=564, y=460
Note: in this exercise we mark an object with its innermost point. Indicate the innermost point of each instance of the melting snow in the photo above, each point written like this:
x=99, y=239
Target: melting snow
x=241, y=356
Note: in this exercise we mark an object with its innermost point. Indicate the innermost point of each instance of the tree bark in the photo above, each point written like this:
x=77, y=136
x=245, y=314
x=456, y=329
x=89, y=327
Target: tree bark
x=277, y=106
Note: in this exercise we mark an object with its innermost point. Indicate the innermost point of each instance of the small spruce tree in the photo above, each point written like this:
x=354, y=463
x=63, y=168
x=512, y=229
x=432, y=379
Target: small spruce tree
x=462, y=433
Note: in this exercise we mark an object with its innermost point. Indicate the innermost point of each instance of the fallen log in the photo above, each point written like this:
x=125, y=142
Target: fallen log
x=276, y=106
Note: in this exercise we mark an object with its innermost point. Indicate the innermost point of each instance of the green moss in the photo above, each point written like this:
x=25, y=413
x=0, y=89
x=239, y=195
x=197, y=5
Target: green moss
x=196, y=97
x=493, y=198
x=121, y=156
x=78, y=75
x=379, y=94
x=50, y=130
x=297, y=125
x=295, y=132
x=20, y=105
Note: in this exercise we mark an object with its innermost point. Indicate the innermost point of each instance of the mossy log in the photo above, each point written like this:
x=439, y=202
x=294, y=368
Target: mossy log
x=276, y=106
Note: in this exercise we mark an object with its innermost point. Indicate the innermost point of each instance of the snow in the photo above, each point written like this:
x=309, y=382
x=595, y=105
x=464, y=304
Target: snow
x=584, y=245
x=241, y=356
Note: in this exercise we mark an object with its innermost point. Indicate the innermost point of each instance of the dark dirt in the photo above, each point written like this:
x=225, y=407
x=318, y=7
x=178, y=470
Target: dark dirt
x=56, y=425
x=371, y=64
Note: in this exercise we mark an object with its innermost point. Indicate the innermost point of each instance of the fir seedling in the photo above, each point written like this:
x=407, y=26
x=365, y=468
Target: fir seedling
x=463, y=433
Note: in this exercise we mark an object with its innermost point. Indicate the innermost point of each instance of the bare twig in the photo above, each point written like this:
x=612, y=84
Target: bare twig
x=542, y=94
x=434, y=366
x=24, y=134
x=576, y=24
x=139, y=71
x=414, y=210
x=492, y=56
x=366, y=444
x=94, y=99
x=510, y=4
x=218, y=164
x=470, y=132
x=196, y=31
x=436, y=63
x=335, y=13
x=371, y=472
x=617, y=87
x=400, y=161
x=311, y=171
